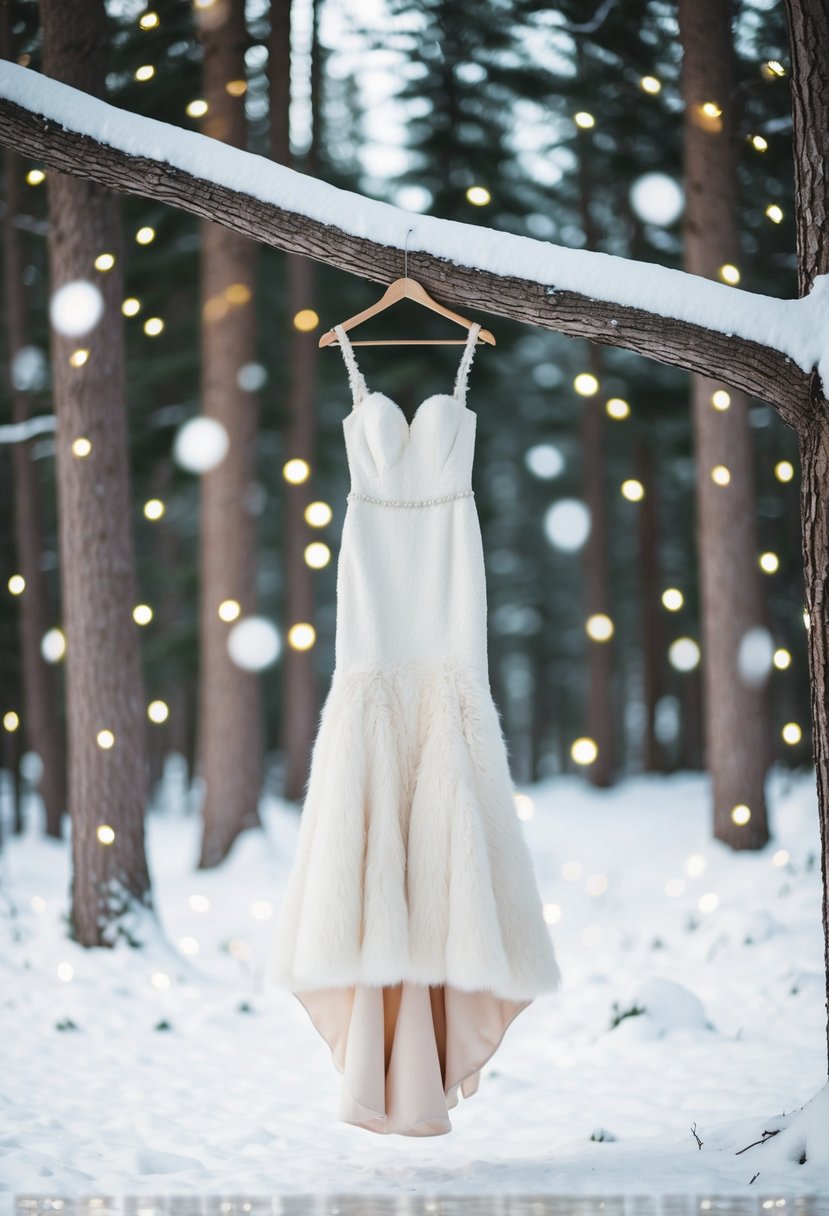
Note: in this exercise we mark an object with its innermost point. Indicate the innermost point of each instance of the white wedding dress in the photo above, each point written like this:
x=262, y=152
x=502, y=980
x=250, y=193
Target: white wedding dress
x=411, y=927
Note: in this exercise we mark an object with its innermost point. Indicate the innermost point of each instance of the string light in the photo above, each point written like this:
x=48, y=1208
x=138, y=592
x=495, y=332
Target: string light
x=131, y=306
x=650, y=84
x=197, y=108
x=160, y=980
x=317, y=555
x=708, y=902
x=236, y=88
x=153, y=508
x=153, y=326
x=695, y=865
x=65, y=971
x=188, y=945
x=158, y=711
x=78, y=357
x=720, y=475
x=618, y=408
x=772, y=67
x=239, y=293
x=572, y=871
x=11, y=721
x=105, y=739
x=769, y=563
x=729, y=273
x=229, y=610
x=105, y=833
x=584, y=120
x=791, y=733
x=599, y=627
x=145, y=72
x=672, y=599
x=633, y=490
x=302, y=636
x=81, y=447
x=145, y=235
x=774, y=213
x=784, y=470
x=720, y=399
x=17, y=584
x=586, y=384
x=674, y=887
x=780, y=857
x=142, y=614
x=759, y=143
x=296, y=471
x=710, y=109
x=551, y=913
x=584, y=750
x=306, y=320
x=105, y=261
x=260, y=909
x=318, y=514
x=199, y=903
x=478, y=196
x=782, y=658
x=596, y=884
x=35, y=176
x=148, y=21
x=740, y=814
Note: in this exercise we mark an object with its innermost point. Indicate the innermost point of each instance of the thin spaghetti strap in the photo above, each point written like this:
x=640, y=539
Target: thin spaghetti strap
x=466, y=361
x=355, y=376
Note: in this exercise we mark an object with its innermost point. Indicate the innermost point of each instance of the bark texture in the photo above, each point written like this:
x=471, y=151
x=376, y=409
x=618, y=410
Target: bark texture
x=601, y=704
x=652, y=628
x=41, y=722
x=735, y=708
x=104, y=680
x=809, y=37
x=300, y=690
x=230, y=744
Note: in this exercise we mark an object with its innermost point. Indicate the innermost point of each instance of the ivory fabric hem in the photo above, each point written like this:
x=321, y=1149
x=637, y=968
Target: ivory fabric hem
x=406, y=1051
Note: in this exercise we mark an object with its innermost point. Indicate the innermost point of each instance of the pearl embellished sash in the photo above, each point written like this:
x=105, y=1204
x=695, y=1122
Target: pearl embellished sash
x=423, y=502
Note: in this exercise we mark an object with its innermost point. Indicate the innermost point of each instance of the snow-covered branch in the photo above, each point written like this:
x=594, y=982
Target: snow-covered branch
x=766, y=346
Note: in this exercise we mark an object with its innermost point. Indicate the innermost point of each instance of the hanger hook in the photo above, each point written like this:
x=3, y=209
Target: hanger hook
x=406, y=256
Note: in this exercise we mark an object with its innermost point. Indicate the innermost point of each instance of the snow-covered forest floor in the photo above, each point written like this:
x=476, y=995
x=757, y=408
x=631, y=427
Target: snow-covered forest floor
x=170, y=1070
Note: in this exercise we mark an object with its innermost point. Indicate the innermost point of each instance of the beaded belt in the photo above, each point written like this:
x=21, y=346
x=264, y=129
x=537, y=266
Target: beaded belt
x=424, y=502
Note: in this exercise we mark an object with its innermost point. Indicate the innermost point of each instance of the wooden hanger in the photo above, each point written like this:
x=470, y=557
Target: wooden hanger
x=408, y=289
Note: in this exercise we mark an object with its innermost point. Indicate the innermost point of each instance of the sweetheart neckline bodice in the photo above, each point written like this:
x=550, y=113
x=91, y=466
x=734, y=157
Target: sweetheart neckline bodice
x=396, y=406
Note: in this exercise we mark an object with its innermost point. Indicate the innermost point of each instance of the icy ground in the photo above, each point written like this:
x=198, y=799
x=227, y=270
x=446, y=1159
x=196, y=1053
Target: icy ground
x=166, y=1072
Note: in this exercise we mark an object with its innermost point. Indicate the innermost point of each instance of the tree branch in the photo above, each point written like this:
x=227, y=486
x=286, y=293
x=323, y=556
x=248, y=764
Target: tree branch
x=79, y=135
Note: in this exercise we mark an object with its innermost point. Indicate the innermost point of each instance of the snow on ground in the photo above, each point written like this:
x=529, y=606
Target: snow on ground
x=798, y=328
x=114, y=1085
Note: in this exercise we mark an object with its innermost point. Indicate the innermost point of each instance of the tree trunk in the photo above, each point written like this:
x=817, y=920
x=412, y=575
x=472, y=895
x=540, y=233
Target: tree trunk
x=809, y=35
x=814, y=455
x=104, y=681
x=42, y=728
x=653, y=632
x=601, y=719
x=230, y=746
x=300, y=692
x=735, y=709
